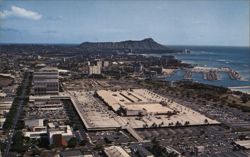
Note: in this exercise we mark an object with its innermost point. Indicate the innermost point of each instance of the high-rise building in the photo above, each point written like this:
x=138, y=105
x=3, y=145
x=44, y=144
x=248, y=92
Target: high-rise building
x=105, y=63
x=99, y=63
x=95, y=69
x=46, y=81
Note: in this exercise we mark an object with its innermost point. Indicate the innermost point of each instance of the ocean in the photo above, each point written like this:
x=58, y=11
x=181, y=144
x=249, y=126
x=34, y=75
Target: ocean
x=237, y=58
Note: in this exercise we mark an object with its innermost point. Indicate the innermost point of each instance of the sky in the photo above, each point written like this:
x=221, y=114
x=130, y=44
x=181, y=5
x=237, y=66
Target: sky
x=169, y=22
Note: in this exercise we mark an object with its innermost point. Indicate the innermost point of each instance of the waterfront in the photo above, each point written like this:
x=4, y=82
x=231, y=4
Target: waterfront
x=236, y=58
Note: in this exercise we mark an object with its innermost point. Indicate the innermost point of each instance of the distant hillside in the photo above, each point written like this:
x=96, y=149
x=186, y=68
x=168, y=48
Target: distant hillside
x=147, y=45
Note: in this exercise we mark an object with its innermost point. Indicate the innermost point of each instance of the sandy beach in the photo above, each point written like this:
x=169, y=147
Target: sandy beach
x=168, y=72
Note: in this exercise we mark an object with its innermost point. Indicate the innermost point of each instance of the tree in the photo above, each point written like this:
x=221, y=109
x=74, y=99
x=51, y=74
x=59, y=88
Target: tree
x=205, y=121
x=20, y=124
x=98, y=147
x=45, y=122
x=43, y=142
x=20, y=143
x=83, y=143
x=187, y=123
x=107, y=140
x=177, y=123
x=244, y=99
x=72, y=142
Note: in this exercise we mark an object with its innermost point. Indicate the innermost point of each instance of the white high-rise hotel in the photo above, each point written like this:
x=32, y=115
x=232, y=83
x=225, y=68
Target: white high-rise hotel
x=96, y=68
x=46, y=81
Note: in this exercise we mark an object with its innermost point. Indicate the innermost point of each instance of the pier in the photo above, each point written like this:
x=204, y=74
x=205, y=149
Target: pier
x=211, y=75
x=188, y=75
x=234, y=75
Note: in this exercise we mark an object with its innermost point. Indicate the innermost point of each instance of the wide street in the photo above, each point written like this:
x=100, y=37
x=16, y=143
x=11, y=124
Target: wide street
x=24, y=89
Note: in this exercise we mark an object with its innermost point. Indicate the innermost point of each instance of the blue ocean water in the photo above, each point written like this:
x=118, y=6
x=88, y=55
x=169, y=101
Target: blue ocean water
x=237, y=58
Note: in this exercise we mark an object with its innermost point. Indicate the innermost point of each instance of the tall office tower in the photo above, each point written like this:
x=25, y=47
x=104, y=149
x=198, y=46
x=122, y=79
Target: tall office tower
x=46, y=81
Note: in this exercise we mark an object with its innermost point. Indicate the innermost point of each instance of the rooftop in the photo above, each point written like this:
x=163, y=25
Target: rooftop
x=244, y=143
x=115, y=151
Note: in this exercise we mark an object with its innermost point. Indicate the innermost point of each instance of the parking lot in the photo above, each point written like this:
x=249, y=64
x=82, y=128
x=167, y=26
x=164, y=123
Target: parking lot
x=184, y=139
x=110, y=137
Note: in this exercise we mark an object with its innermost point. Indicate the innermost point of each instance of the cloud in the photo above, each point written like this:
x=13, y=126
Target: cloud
x=21, y=13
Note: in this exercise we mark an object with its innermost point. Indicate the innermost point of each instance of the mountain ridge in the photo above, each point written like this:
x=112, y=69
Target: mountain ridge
x=145, y=45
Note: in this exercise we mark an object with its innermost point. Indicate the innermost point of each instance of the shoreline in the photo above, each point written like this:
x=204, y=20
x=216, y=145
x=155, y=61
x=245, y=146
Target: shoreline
x=243, y=89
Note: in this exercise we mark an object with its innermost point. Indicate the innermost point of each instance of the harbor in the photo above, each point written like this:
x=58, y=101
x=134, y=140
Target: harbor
x=210, y=73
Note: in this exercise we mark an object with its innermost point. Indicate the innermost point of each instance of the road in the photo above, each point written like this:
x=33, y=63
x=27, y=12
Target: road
x=24, y=88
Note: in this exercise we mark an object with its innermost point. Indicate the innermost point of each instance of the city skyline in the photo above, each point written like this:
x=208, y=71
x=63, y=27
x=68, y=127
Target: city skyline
x=205, y=22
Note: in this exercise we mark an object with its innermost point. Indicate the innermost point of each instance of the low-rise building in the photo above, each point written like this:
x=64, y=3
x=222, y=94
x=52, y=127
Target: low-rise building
x=35, y=128
x=60, y=135
x=33, y=123
x=36, y=132
x=157, y=69
x=71, y=153
x=6, y=80
x=199, y=149
x=143, y=152
x=115, y=151
x=243, y=143
x=5, y=105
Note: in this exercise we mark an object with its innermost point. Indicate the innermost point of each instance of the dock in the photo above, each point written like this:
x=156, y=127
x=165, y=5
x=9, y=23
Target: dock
x=188, y=75
x=234, y=75
x=211, y=75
